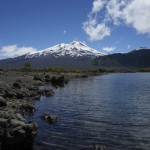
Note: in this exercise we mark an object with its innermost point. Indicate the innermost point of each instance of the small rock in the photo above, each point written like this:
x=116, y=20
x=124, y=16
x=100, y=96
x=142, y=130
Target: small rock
x=85, y=76
x=17, y=85
x=37, y=77
x=100, y=147
x=50, y=118
x=59, y=81
x=3, y=102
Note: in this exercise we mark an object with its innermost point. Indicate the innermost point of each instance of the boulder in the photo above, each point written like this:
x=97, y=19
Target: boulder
x=50, y=118
x=37, y=77
x=59, y=81
x=15, y=133
x=47, y=92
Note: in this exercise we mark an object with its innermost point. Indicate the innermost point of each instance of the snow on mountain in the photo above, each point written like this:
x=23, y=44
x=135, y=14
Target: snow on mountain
x=138, y=49
x=74, y=49
x=141, y=48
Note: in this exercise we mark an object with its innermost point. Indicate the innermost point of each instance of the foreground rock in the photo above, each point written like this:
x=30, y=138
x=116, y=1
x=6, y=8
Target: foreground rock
x=59, y=81
x=47, y=92
x=15, y=133
x=19, y=91
x=16, y=96
x=26, y=91
x=50, y=118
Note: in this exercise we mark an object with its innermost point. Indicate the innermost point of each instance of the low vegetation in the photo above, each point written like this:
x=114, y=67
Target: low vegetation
x=27, y=67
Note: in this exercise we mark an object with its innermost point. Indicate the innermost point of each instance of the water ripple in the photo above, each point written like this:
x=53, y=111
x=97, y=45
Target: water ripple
x=111, y=110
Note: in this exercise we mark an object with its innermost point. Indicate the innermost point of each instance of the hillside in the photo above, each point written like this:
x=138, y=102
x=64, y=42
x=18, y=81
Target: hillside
x=139, y=58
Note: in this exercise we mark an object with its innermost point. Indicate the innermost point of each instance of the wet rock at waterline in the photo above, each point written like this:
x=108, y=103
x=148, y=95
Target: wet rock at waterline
x=27, y=108
x=47, y=92
x=59, y=81
x=50, y=118
x=85, y=76
x=100, y=147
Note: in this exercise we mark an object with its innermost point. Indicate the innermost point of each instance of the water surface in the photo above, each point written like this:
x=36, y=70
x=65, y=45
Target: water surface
x=111, y=110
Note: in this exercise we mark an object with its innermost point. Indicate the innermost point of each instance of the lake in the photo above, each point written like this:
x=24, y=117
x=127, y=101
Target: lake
x=111, y=110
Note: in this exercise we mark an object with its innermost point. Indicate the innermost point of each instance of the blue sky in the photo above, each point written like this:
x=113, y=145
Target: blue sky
x=110, y=26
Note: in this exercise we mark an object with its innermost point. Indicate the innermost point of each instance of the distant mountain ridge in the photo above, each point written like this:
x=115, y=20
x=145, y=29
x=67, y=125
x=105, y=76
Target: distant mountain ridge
x=139, y=58
x=73, y=55
x=79, y=55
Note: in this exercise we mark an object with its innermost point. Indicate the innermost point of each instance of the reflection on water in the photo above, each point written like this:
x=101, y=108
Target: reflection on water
x=111, y=110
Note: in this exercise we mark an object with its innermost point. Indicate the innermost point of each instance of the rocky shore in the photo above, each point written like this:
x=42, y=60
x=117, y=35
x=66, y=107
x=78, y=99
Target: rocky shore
x=17, y=92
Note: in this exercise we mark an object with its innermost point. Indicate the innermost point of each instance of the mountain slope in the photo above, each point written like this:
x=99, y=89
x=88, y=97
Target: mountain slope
x=79, y=55
x=139, y=58
x=75, y=49
x=73, y=55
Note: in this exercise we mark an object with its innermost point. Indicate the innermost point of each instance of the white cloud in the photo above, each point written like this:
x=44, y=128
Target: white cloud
x=96, y=31
x=64, y=32
x=114, y=10
x=13, y=51
x=105, y=14
x=97, y=5
x=137, y=14
x=109, y=49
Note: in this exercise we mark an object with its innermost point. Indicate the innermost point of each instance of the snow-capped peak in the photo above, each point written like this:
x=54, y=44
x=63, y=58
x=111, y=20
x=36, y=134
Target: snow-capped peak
x=74, y=49
x=77, y=43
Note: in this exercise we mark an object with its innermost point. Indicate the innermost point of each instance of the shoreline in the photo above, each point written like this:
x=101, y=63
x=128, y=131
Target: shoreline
x=18, y=90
